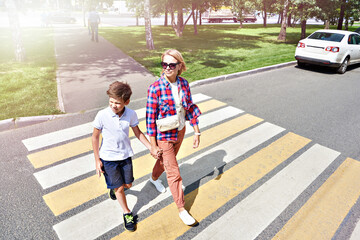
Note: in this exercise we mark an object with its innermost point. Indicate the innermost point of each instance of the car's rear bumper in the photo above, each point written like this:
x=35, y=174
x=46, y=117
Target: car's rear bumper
x=317, y=61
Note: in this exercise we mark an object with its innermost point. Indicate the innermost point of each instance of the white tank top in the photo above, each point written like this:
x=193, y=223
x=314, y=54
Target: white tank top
x=179, y=108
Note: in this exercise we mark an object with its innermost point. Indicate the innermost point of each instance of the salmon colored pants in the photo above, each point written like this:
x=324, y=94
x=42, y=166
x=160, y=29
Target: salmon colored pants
x=169, y=164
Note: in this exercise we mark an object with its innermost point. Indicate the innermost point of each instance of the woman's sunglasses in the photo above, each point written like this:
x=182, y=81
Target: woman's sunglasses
x=172, y=66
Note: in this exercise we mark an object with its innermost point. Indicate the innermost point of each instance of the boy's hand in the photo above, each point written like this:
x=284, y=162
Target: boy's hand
x=99, y=168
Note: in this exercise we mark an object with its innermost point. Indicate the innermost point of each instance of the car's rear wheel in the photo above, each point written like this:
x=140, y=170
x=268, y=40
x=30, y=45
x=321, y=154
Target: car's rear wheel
x=343, y=66
x=300, y=64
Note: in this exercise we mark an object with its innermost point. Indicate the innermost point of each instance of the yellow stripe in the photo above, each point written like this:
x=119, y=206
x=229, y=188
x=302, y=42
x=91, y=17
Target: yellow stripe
x=143, y=165
x=59, y=153
x=215, y=193
x=323, y=213
x=83, y=191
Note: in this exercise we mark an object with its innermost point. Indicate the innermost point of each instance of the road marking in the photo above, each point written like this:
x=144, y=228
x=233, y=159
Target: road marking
x=57, y=137
x=59, y=153
x=323, y=213
x=191, y=170
x=260, y=208
x=82, y=165
x=67, y=134
x=58, y=201
x=215, y=193
x=356, y=233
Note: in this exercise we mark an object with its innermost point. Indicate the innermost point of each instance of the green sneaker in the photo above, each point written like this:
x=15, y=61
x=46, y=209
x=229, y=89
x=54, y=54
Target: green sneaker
x=112, y=194
x=129, y=222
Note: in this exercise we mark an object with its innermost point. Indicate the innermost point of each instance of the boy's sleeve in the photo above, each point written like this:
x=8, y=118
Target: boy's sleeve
x=97, y=122
x=134, y=121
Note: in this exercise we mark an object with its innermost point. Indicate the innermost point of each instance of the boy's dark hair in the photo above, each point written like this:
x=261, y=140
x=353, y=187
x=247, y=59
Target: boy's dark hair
x=119, y=90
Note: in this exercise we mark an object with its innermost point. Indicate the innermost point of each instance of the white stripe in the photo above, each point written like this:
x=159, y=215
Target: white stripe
x=356, y=233
x=93, y=226
x=74, y=168
x=226, y=152
x=252, y=215
x=67, y=134
x=57, y=137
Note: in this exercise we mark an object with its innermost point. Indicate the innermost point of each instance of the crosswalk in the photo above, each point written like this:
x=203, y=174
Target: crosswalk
x=237, y=152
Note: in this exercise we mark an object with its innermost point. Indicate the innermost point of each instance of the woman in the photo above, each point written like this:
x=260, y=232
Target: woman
x=169, y=96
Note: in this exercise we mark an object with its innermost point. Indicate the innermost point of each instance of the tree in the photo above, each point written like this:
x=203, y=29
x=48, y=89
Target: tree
x=266, y=6
x=11, y=6
x=240, y=8
x=303, y=10
x=149, y=38
x=342, y=14
x=282, y=34
x=328, y=11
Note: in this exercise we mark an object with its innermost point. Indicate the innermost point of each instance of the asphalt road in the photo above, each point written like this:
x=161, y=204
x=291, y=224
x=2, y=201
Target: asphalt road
x=315, y=103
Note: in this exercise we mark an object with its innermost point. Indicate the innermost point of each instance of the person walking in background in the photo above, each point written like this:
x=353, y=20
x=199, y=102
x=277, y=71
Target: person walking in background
x=93, y=22
x=169, y=105
x=113, y=158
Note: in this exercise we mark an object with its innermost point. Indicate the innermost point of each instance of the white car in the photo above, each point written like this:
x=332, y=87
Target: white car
x=333, y=48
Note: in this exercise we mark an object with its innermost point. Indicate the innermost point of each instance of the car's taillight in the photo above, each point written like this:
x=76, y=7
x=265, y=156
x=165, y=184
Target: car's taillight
x=332, y=49
x=301, y=45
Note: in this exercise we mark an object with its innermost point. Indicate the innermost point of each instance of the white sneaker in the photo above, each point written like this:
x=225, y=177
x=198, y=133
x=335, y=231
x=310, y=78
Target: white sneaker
x=187, y=218
x=158, y=185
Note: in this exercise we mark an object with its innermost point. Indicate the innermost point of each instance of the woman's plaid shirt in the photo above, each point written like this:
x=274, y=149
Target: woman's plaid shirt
x=161, y=104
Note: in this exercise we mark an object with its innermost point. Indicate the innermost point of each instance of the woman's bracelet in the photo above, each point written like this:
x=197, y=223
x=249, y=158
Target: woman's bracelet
x=197, y=133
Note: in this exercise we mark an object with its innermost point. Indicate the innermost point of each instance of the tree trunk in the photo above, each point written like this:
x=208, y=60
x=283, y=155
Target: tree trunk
x=327, y=24
x=15, y=26
x=282, y=34
x=342, y=14
x=166, y=16
x=280, y=17
x=303, y=29
x=347, y=24
x=149, y=38
x=193, y=10
x=84, y=11
x=265, y=16
x=289, y=20
x=200, y=20
x=180, y=26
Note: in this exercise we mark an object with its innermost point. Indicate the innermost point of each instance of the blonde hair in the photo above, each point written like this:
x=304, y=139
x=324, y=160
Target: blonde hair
x=177, y=55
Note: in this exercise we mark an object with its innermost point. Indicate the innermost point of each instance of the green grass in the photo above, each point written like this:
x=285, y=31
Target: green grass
x=28, y=88
x=216, y=50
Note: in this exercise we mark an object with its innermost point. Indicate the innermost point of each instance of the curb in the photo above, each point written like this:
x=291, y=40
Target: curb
x=14, y=123
x=240, y=74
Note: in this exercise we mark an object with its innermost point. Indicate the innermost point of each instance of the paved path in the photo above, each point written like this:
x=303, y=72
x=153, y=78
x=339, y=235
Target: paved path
x=86, y=68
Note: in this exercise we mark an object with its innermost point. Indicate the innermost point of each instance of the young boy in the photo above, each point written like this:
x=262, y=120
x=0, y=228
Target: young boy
x=114, y=157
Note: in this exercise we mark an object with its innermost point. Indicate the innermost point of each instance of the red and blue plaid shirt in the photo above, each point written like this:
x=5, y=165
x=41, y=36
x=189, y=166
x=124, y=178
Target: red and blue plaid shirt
x=161, y=104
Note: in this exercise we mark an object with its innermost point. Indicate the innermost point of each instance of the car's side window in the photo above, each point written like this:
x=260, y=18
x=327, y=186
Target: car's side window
x=357, y=39
x=351, y=39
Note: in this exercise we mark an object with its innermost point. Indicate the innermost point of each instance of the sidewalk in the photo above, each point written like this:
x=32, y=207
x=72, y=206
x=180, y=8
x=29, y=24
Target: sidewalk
x=86, y=68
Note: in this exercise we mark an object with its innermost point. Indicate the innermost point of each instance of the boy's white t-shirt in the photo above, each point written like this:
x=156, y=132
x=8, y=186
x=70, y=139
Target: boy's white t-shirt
x=115, y=143
x=179, y=108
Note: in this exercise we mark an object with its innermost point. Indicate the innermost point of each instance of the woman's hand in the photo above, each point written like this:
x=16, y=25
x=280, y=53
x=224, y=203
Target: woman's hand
x=156, y=152
x=196, y=141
